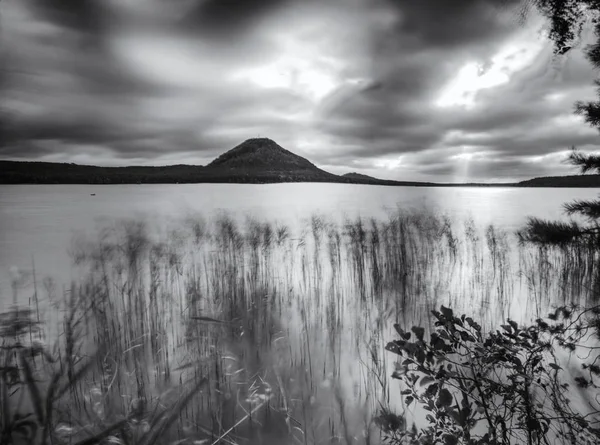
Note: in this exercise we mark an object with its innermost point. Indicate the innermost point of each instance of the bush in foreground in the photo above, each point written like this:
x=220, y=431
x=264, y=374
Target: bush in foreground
x=511, y=386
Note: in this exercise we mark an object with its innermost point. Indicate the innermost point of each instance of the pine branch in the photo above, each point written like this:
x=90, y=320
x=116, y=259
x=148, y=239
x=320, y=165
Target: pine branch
x=539, y=231
x=592, y=52
x=590, y=112
x=586, y=163
x=589, y=209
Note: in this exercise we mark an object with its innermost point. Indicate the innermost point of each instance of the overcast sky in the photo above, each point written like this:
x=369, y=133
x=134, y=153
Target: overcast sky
x=399, y=89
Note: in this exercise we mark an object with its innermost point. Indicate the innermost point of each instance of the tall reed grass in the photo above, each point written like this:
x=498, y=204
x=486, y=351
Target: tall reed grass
x=226, y=331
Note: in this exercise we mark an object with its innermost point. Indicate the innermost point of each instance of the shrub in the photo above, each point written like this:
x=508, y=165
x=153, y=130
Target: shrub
x=502, y=387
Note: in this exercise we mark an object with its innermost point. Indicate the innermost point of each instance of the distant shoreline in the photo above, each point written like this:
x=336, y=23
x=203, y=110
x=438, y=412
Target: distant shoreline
x=436, y=185
x=254, y=161
x=49, y=173
x=224, y=182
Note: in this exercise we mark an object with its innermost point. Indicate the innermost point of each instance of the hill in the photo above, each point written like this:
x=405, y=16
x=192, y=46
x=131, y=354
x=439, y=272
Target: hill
x=563, y=181
x=263, y=160
x=261, y=153
x=257, y=161
x=358, y=178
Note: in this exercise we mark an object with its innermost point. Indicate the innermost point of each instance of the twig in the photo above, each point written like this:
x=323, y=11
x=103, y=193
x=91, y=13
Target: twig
x=238, y=423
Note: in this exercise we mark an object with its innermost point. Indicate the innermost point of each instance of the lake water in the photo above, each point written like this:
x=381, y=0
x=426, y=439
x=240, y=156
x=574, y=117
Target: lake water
x=307, y=310
x=37, y=222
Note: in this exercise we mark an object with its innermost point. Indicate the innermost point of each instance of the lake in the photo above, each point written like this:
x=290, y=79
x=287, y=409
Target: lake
x=280, y=293
x=38, y=221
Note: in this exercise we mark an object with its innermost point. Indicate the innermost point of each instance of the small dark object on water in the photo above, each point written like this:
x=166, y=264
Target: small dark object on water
x=92, y=194
x=210, y=320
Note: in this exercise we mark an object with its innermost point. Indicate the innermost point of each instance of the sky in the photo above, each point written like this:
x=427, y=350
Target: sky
x=434, y=90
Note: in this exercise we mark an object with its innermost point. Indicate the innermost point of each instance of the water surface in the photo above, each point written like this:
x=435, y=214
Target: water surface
x=37, y=222
x=307, y=311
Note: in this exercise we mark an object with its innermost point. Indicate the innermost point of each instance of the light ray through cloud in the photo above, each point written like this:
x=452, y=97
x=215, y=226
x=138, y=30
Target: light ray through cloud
x=475, y=76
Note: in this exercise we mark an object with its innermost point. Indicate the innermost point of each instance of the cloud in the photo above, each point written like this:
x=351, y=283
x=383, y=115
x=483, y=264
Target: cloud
x=518, y=101
x=228, y=19
x=85, y=16
x=395, y=88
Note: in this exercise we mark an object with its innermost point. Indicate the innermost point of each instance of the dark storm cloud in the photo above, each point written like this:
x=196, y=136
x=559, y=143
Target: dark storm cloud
x=227, y=18
x=393, y=110
x=83, y=15
x=156, y=80
x=448, y=24
x=88, y=18
x=72, y=93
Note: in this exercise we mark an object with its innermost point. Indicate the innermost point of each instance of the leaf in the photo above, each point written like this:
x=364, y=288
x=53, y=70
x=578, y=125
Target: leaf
x=456, y=416
x=450, y=439
x=426, y=380
x=409, y=400
x=444, y=398
x=465, y=336
x=394, y=347
x=420, y=355
x=419, y=332
x=554, y=366
x=398, y=329
x=447, y=312
x=432, y=390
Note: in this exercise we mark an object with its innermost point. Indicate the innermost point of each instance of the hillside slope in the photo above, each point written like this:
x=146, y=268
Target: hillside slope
x=359, y=177
x=263, y=159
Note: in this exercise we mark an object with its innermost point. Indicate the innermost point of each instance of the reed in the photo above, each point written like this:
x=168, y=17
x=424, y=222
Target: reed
x=214, y=331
